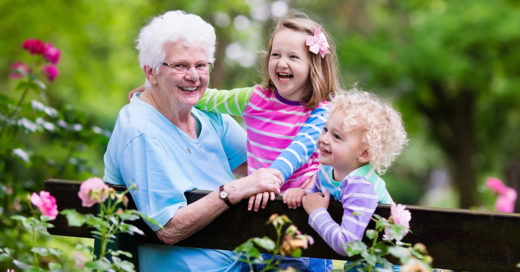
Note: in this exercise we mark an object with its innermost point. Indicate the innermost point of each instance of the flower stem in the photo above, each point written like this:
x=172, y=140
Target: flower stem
x=19, y=103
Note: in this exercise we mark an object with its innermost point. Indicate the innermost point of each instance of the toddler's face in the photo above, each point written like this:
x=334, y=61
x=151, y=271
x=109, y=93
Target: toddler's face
x=343, y=150
x=289, y=64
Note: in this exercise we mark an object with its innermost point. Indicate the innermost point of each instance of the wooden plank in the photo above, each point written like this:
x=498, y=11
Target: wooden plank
x=457, y=239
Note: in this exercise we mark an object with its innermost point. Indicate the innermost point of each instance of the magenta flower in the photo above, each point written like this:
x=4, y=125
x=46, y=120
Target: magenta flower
x=20, y=70
x=46, y=203
x=506, y=196
x=52, y=54
x=506, y=202
x=51, y=72
x=92, y=191
x=496, y=185
x=34, y=46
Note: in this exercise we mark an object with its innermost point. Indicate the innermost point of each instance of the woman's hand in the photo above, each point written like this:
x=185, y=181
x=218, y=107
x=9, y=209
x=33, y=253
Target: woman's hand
x=313, y=201
x=293, y=197
x=264, y=181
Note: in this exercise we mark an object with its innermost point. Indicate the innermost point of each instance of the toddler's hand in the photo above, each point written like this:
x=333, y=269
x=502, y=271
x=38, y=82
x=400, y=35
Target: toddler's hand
x=255, y=200
x=313, y=201
x=293, y=197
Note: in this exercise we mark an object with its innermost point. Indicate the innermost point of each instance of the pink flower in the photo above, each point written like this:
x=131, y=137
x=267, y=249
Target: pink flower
x=20, y=70
x=401, y=215
x=52, y=54
x=92, y=191
x=79, y=259
x=51, y=72
x=317, y=43
x=46, y=203
x=34, y=46
x=496, y=185
x=506, y=202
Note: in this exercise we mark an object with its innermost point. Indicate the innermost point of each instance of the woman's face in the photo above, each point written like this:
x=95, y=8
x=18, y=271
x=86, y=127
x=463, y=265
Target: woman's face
x=182, y=86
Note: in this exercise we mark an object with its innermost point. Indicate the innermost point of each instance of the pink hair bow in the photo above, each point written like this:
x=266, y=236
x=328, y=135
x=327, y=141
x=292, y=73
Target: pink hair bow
x=318, y=43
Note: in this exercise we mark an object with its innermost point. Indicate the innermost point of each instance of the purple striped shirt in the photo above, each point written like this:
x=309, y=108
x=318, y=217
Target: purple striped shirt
x=357, y=196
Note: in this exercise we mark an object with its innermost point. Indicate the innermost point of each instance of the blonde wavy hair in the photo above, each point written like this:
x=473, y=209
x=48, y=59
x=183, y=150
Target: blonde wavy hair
x=384, y=133
x=323, y=77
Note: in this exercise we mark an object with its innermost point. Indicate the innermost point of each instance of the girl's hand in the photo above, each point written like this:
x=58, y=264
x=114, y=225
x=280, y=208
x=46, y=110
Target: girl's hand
x=313, y=201
x=136, y=90
x=293, y=197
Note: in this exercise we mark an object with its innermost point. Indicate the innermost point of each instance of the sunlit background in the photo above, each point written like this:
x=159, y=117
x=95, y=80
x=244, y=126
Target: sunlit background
x=451, y=67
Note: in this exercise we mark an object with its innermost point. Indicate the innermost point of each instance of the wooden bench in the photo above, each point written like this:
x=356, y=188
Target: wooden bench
x=456, y=239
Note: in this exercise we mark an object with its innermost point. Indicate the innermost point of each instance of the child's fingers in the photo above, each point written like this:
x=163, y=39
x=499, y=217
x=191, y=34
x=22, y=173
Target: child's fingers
x=251, y=202
x=265, y=199
x=273, y=196
x=258, y=201
x=326, y=196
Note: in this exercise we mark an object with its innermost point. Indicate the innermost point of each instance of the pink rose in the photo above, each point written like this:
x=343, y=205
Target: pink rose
x=496, y=185
x=20, y=70
x=506, y=201
x=51, y=72
x=34, y=46
x=92, y=191
x=45, y=203
x=52, y=54
x=400, y=216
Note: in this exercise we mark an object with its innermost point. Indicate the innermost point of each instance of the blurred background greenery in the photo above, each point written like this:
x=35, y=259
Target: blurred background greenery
x=451, y=67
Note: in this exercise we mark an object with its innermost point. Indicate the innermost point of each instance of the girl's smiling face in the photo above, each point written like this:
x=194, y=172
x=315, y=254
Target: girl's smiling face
x=289, y=64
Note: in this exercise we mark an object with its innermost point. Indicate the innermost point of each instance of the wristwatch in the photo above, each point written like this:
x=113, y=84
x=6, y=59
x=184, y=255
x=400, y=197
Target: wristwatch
x=224, y=195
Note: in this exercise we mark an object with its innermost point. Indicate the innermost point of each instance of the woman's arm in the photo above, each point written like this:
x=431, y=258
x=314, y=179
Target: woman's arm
x=193, y=217
x=304, y=143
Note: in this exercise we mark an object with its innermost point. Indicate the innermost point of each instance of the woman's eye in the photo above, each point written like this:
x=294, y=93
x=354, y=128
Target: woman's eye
x=180, y=66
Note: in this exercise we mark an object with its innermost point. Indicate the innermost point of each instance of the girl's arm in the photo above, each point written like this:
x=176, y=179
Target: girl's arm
x=303, y=144
x=359, y=202
x=232, y=101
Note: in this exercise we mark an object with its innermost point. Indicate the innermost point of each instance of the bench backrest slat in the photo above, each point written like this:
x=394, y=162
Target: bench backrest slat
x=456, y=239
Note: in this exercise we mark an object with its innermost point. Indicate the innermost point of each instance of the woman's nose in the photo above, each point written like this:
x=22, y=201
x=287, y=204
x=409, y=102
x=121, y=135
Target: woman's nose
x=192, y=74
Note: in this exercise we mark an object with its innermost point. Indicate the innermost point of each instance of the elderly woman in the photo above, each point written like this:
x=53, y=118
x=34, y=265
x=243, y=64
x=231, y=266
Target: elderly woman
x=167, y=147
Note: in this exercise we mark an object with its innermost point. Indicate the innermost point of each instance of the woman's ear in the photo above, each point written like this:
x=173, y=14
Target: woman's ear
x=150, y=74
x=364, y=156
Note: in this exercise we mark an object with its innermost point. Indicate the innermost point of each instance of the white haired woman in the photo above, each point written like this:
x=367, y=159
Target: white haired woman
x=167, y=147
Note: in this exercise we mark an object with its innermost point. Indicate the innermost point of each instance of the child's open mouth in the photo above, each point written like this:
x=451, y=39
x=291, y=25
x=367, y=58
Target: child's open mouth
x=284, y=76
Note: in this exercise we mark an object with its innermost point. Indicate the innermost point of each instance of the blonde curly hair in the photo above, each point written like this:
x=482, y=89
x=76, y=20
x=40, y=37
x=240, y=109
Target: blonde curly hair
x=384, y=133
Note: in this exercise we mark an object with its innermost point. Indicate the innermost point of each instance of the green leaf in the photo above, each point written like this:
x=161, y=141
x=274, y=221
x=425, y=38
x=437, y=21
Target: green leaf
x=297, y=253
x=397, y=231
x=54, y=267
x=40, y=251
x=74, y=218
x=265, y=243
x=371, y=234
x=349, y=265
x=355, y=248
x=369, y=258
x=400, y=253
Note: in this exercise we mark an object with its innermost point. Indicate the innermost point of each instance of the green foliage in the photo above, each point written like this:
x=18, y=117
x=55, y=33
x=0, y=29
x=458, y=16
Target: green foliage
x=292, y=244
x=374, y=256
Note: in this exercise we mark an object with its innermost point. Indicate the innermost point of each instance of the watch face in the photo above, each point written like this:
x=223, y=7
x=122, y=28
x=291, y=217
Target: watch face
x=223, y=194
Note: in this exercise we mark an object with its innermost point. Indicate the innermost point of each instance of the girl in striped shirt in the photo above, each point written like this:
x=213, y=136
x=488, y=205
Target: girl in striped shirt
x=285, y=114
x=360, y=140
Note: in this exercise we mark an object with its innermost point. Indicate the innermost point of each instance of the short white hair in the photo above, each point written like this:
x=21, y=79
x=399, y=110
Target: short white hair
x=384, y=132
x=173, y=26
